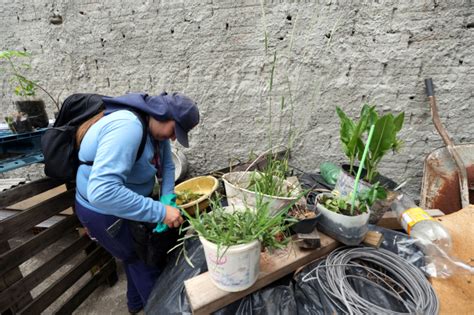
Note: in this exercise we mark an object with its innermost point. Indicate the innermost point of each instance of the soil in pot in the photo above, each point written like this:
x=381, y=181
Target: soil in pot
x=36, y=112
x=307, y=218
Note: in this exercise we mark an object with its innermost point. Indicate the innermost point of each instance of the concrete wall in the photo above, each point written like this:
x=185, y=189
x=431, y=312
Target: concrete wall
x=322, y=54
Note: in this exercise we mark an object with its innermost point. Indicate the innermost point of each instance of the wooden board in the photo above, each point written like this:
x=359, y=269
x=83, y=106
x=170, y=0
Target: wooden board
x=204, y=297
x=390, y=220
x=456, y=294
x=30, y=202
x=26, y=191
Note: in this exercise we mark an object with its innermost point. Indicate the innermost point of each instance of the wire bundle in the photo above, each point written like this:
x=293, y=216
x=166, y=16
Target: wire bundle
x=402, y=281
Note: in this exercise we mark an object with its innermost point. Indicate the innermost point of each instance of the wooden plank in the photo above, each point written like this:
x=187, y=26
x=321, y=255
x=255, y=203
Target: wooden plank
x=26, y=191
x=30, y=202
x=48, y=296
x=204, y=297
x=390, y=221
x=27, y=219
x=5, y=213
x=373, y=239
x=15, y=291
x=22, y=253
x=99, y=278
x=13, y=276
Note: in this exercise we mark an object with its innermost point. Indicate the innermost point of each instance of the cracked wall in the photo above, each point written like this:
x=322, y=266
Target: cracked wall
x=262, y=75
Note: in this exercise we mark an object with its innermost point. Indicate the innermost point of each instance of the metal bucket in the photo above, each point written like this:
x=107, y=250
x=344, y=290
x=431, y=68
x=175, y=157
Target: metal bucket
x=440, y=185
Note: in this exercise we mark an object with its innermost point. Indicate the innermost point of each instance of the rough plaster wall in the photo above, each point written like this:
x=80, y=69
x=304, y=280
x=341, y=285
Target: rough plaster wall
x=321, y=54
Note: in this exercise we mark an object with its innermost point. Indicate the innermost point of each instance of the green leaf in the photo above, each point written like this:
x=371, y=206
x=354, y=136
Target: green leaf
x=346, y=131
x=398, y=121
x=383, y=137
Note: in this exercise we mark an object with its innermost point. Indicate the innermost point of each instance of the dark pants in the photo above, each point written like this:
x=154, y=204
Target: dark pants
x=140, y=277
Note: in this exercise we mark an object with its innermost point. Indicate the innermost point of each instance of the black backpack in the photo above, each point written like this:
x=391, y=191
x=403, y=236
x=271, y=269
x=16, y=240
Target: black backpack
x=58, y=143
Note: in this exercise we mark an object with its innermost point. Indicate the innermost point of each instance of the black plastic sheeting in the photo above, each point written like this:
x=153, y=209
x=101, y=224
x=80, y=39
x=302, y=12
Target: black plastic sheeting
x=289, y=295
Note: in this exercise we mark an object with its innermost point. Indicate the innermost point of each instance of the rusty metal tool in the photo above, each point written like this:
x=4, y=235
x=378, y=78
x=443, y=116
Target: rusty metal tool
x=462, y=173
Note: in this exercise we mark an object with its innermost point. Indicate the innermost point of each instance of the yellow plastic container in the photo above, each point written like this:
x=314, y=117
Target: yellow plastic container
x=204, y=185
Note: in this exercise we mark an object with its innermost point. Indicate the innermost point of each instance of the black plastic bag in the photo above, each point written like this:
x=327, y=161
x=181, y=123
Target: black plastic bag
x=286, y=296
x=152, y=248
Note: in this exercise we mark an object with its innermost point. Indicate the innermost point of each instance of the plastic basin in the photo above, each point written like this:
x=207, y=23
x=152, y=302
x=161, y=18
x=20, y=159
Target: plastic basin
x=204, y=185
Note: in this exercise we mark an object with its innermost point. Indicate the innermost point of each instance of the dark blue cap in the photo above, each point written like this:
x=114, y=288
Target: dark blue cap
x=176, y=106
x=185, y=114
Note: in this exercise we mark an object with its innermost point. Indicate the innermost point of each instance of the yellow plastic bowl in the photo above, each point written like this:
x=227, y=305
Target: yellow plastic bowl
x=204, y=185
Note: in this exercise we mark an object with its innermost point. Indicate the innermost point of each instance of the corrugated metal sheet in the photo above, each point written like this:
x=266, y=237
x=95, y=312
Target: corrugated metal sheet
x=7, y=183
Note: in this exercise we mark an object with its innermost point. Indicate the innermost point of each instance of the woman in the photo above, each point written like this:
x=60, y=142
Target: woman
x=117, y=184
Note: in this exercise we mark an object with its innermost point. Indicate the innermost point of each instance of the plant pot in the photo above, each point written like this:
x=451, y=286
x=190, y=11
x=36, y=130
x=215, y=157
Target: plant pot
x=355, y=169
x=205, y=185
x=21, y=126
x=35, y=110
x=306, y=226
x=180, y=164
x=240, y=197
x=349, y=230
x=345, y=185
x=234, y=268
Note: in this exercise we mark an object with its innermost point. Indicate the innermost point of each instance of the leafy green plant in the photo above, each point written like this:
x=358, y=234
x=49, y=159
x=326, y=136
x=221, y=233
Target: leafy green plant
x=363, y=201
x=271, y=180
x=352, y=136
x=23, y=86
x=226, y=228
x=187, y=196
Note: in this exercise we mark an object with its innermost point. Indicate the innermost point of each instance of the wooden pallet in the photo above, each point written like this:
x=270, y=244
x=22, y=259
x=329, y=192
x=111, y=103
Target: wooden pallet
x=28, y=206
x=205, y=298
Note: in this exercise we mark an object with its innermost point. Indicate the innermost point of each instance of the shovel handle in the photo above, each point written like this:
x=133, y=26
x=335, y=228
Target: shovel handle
x=429, y=87
x=463, y=180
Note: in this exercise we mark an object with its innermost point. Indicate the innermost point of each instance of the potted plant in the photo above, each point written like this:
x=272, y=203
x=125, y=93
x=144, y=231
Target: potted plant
x=233, y=238
x=306, y=216
x=384, y=139
x=25, y=88
x=244, y=188
x=346, y=217
x=19, y=123
x=352, y=136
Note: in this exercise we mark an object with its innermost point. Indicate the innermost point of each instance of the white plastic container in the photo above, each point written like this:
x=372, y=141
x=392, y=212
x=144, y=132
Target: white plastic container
x=241, y=197
x=349, y=230
x=180, y=163
x=234, y=268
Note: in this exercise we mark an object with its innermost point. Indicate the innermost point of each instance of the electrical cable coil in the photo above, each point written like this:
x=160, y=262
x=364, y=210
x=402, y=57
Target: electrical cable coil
x=401, y=281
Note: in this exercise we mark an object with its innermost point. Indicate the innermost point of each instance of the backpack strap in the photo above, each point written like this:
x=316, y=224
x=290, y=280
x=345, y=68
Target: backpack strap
x=84, y=127
x=141, y=117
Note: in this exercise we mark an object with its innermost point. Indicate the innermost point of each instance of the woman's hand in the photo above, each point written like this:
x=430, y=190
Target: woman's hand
x=173, y=217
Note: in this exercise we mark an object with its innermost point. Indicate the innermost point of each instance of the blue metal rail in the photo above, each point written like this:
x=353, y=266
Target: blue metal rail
x=20, y=149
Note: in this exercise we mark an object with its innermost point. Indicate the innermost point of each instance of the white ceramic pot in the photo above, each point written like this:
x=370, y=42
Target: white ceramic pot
x=234, y=268
x=240, y=197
